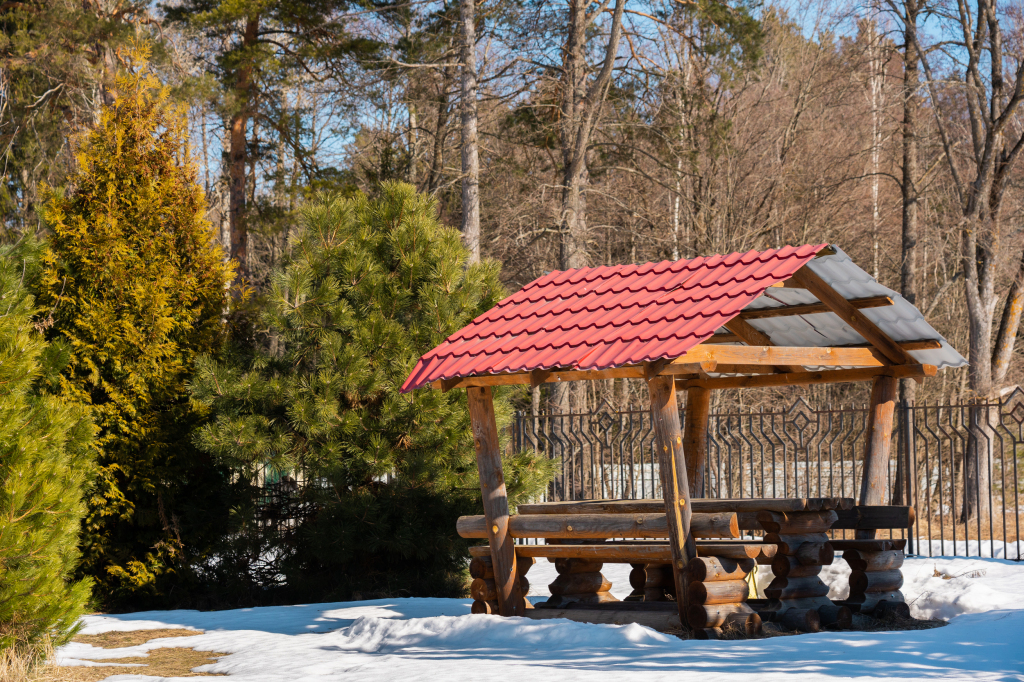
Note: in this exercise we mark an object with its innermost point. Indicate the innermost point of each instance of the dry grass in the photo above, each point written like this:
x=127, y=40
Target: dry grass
x=118, y=640
x=162, y=662
x=16, y=665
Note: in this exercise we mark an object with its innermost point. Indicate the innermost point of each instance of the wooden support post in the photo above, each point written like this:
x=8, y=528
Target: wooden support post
x=492, y=486
x=695, y=437
x=876, y=453
x=668, y=440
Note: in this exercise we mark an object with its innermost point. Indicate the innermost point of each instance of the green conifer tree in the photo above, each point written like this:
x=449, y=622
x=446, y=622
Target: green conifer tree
x=374, y=284
x=134, y=285
x=45, y=459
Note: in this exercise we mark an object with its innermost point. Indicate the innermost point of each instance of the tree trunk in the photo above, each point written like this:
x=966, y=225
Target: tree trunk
x=580, y=107
x=876, y=85
x=572, y=220
x=981, y=435
x=470, y=152
x=573, y=217
x=908, y=256
x=108, y=89
x=237, y=156
x=444, y=111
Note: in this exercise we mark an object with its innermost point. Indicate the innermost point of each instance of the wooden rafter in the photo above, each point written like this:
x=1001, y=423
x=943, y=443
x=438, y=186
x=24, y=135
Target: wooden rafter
x=538, y=377
x=724, y=338
x=813, y=308
x=808, y=279
x=923, y=344
x=754, y=337
x=806, y=378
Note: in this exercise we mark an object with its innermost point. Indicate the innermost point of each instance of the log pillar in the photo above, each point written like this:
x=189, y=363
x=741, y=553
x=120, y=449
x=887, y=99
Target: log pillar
x=492, y=487
x=879, y=438
x=695, y=437
x=668, y=440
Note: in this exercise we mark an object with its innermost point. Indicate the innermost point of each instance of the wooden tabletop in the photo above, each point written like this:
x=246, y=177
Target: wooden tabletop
x=712, y=505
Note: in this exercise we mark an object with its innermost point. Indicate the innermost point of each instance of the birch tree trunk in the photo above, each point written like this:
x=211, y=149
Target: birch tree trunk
x=470, y=151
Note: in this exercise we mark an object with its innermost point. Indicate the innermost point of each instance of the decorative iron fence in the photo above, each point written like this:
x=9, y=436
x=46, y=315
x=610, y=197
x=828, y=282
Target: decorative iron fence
x=960, y=465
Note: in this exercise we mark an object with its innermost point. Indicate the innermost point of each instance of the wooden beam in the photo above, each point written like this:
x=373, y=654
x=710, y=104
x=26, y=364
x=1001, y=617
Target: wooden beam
x=598, y=526
x=875, y=517
x=807, y=378
x=627, y=552
x=495, y=499
x=923, y=344
x=638, y=552
x=703, y=358
x=538, y=377
x=786, y=284
x=653, y=369
x=707, y=505
x=745, y=369
x=724, y=338
x=813, y=308
x=853, y=317
x=767, y=356
x=875, y=473
x=754, y=337
x=668, y=441
x=695, y=435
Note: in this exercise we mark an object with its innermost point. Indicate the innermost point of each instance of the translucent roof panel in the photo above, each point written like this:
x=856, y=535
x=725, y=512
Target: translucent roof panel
x=901, y=321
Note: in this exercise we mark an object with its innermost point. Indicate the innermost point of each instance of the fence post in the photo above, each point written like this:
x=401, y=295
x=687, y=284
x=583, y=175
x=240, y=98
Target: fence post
x=909, y=460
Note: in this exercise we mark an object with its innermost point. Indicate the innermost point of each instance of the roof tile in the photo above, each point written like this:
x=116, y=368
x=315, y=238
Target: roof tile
x=609, y=316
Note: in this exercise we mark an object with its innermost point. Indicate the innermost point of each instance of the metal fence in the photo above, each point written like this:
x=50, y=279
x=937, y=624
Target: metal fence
x=960, y=465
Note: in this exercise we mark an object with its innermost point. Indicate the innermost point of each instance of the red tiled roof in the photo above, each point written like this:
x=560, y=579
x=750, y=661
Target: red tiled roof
x=610, y=316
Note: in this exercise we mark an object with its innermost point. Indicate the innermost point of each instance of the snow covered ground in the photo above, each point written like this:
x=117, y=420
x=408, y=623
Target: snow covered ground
x=437, y=639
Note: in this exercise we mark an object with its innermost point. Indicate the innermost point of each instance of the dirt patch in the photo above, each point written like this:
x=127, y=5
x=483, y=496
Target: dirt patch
x=162, y=662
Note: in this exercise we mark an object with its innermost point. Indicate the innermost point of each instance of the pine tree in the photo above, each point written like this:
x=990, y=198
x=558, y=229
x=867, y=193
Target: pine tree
x=44, y=461
x=373, y=285
x=135, y=287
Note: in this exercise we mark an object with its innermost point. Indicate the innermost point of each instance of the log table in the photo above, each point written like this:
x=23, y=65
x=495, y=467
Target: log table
x=586, y=535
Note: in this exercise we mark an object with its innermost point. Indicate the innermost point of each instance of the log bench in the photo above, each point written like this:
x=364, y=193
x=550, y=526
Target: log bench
x=875, y=575
x=577, y=533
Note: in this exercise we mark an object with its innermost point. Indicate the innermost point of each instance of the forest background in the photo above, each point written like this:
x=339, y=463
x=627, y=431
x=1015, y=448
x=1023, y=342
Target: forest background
x=580, y=134
x=554, y=136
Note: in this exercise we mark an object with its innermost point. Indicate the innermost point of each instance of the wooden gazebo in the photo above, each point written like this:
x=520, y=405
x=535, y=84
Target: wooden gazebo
x=792, y=316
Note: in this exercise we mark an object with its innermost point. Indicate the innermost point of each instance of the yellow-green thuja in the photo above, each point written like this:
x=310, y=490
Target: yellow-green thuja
x=133, y=285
